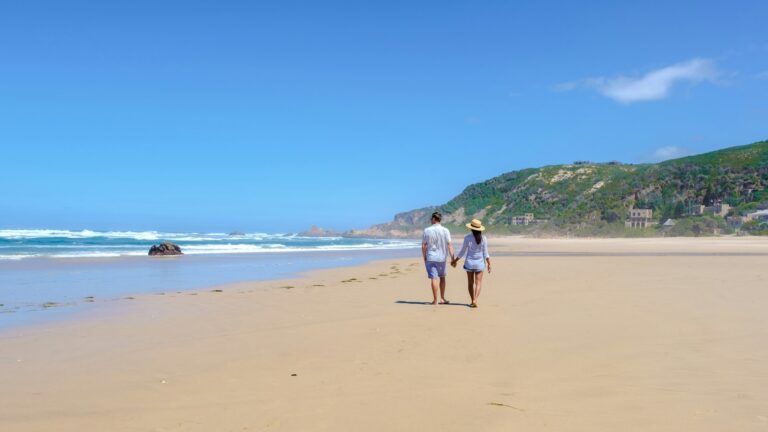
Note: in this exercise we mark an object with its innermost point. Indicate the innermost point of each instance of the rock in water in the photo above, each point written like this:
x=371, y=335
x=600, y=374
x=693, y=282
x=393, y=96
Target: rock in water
x=165, y=248
x=316, y=231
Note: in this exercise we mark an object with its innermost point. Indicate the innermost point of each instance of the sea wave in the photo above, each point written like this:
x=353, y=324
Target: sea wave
x=15, y=257
x=28, y=234
x=246, y=248
x=25, y=234
x=97, y=254
x=17, y=244
x=221, y=249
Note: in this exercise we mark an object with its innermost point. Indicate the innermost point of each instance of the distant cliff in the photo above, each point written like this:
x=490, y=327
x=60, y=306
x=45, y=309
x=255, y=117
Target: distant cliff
x=586, y=198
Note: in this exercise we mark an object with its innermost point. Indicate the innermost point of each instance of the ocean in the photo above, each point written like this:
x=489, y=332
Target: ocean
x=47, y=243
x=46, y=274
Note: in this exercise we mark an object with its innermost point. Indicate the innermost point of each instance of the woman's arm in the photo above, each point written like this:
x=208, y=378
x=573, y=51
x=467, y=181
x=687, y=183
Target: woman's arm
x=486, y=255
x=464, y=247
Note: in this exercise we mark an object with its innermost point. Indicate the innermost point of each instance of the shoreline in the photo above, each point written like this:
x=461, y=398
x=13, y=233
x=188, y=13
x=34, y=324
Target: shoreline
x=55, y=288
x=112, y=307
x=499, y=238
x=510, y=246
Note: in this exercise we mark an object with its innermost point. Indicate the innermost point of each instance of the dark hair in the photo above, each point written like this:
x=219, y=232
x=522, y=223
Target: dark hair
x=437, y=215
x=478, y=236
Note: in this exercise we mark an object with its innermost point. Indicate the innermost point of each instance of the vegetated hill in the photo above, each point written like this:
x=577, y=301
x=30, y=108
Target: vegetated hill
x=587, y=198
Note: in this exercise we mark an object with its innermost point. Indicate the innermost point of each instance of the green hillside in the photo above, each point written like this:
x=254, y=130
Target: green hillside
x=594, y=198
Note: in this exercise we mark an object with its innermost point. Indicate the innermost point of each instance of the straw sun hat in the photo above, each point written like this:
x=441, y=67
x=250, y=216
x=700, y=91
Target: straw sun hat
x=476, y=225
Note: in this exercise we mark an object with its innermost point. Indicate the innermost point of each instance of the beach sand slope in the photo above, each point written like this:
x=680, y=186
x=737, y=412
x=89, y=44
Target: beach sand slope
x=559, y=343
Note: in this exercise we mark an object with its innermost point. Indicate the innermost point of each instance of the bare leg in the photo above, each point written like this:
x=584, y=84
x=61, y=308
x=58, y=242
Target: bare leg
x=471, y=286
x=442, y=290
x=435, y=287
x=478, y=284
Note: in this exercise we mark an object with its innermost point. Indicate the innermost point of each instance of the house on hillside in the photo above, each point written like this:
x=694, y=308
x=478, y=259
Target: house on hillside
x=695, y=210
x=667, y=226
x=718, y=209
x=736, y=221
x=761, y=215
x=639, y=218
x=526, y=219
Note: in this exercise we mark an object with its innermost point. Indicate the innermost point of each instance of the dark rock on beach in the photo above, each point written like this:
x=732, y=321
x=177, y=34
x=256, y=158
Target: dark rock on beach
x=165, y=248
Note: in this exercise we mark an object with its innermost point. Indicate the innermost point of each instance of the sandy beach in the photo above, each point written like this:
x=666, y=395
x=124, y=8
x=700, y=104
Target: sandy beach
x=583, y=335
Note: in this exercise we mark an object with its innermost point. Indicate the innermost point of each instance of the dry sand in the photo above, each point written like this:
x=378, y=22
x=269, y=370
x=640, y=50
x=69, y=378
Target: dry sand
x=559, y=343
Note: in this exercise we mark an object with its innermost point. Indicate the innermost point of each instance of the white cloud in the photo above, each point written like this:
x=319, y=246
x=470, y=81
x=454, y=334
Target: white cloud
x=669, y=152
x=762, y=75
x=654, y=85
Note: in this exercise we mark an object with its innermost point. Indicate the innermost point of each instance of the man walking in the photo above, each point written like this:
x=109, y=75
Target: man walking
x=435, y=248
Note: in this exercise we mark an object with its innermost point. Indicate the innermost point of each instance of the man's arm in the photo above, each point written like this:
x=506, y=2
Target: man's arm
x=424, y=250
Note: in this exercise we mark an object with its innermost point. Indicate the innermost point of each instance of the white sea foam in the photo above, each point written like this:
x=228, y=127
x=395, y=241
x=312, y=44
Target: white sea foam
x=89, y=244
x=97, y=254
x=271, y=248
x=48, y=233
x=21, y=234
x=232, y=248
x=15, y=257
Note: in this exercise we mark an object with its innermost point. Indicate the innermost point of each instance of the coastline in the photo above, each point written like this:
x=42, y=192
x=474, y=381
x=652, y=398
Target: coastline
x=48, y=289
x=558, y=343
x=113, y=279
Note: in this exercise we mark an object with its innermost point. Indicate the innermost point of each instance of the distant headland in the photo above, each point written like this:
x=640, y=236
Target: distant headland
x=716, y=193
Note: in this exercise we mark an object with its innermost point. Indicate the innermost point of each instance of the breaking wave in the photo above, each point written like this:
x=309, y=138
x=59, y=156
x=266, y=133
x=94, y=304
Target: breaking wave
x=17, y=244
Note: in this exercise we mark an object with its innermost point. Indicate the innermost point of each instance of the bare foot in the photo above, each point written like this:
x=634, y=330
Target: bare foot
x=445, y=302
x=473, y=305
x=434, y=302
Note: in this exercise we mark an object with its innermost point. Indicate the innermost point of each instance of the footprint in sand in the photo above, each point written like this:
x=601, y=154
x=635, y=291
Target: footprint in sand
x=499, y=404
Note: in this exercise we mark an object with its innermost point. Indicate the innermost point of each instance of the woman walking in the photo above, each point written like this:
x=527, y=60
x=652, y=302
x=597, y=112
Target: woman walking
x=476, y=249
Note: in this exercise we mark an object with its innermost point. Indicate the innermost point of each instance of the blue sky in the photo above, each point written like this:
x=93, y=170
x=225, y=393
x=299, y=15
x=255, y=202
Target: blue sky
x=271, y=116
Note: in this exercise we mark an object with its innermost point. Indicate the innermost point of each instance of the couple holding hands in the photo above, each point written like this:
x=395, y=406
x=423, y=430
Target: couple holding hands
x=436, y=247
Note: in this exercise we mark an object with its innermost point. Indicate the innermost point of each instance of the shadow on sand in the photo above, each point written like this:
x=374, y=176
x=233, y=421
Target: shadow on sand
x=429, y=303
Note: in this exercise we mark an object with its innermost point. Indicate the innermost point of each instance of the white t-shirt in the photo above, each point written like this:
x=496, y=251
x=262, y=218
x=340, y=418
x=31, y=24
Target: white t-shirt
x=437, y=238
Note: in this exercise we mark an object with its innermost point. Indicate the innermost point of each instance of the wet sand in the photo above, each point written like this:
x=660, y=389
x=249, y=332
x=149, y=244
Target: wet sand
x=603, y=338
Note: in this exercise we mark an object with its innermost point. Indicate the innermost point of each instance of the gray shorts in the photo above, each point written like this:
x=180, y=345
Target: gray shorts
x=435, y=269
